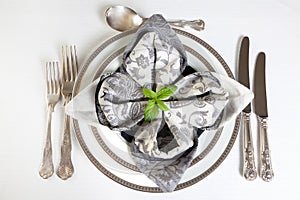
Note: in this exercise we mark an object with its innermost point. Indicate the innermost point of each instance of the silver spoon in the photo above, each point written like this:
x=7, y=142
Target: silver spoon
x=122, y=18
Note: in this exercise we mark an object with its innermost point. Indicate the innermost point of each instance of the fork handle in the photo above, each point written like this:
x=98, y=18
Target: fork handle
x=47, y=168
x=65, y=169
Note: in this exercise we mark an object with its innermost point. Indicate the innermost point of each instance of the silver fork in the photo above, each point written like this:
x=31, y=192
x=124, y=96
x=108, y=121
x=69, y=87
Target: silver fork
x=53, y=95
x=70, y=69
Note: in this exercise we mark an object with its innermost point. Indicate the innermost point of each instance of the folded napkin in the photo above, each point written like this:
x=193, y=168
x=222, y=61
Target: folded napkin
x=182, y=103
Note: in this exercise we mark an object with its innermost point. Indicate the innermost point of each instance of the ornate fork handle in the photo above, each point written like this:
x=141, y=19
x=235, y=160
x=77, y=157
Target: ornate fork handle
x=266, y=170
x=65, y=168
x=47, y=167
x=249, y=170
x=197, y=25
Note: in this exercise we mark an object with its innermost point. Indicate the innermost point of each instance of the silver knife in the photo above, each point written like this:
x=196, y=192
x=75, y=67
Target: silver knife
x=261, y=110
x=249, y=170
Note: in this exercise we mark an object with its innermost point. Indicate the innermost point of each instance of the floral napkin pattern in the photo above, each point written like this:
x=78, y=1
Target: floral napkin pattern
x=164, y=147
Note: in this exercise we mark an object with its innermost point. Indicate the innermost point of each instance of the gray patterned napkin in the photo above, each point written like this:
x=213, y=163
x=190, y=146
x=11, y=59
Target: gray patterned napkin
x=164, y=147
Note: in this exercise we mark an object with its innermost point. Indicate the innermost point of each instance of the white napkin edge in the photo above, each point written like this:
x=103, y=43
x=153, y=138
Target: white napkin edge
x=82, y=106
x=239, y=97
x=86, y=111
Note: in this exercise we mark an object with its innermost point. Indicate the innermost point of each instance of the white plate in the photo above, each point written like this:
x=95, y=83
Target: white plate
x=108, y=152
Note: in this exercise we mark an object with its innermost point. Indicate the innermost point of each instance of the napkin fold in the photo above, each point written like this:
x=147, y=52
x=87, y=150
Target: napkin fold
x=163, y=148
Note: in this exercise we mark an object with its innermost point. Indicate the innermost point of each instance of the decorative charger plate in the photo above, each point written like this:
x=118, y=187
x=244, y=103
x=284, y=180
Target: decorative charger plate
x=108, y=152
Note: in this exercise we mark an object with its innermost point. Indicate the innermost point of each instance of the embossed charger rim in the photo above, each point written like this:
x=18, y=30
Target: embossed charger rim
x=126, y=183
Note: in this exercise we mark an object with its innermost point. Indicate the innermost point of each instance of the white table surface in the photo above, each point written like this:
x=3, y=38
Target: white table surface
x=33, y=31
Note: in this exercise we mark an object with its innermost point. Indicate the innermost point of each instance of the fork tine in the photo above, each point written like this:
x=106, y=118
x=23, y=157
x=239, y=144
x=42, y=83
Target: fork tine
x=68, y=67
x=52, y=82
x=70, y=63
x=56, y=79
x=64, y=63
x=71, y=68
x=52, y=77
x=47, y=77
x=76, y=61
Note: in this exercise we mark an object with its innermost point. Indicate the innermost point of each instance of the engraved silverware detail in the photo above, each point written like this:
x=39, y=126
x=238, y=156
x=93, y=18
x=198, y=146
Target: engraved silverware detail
x=53, y=95
x=70, y=69
x=261, y=110
x=122, y=18
x=249, y=169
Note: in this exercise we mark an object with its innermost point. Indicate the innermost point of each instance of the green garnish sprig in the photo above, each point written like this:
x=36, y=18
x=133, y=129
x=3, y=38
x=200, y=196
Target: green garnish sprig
x=155, y=101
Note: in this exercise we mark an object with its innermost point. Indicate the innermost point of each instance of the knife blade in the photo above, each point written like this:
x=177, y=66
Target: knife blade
x=260, y=99
x=249, y=169
x=243, y=76
x=261, y=110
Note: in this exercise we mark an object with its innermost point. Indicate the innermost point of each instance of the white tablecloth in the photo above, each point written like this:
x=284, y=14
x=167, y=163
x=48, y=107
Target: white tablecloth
x=32, y=32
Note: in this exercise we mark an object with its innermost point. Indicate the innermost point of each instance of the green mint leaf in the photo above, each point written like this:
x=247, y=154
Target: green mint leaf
x=155, y=102
x=162, y=105
x=166, y=92
x=151, y=111
x=149, y=93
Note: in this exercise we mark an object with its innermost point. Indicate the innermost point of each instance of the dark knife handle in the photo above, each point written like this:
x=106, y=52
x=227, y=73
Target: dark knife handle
x=265, y=165
x=249, y=169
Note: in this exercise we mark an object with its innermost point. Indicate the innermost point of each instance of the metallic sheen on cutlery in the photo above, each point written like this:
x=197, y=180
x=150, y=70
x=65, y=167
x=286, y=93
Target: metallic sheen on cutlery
x=249, y=170
x=70, y=69
x=261, y=110
x=53, y=96
x=123, y=18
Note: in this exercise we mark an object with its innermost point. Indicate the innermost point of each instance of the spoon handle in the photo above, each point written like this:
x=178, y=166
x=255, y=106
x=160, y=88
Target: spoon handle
x=197, y=25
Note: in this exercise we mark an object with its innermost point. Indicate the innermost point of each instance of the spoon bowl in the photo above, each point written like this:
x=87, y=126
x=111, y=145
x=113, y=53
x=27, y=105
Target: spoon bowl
x=122, y=18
